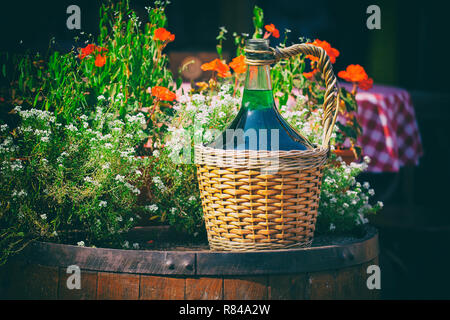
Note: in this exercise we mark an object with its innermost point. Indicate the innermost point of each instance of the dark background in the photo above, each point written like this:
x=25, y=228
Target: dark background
x=405, y=52
x=410, y=51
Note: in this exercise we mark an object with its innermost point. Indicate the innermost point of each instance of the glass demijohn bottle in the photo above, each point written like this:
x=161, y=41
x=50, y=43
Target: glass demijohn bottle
x=258, y=124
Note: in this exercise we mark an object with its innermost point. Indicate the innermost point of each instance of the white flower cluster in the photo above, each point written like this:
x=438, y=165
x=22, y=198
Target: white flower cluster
x=35, y=114
x=61, y=157
x=128, y=154
x=117, y=126
x=16, y=165
x=7, y=145
x=19, y=194
x=138, y=118
x=121, y=179
x=71, y=127
x=308, y=123
x=342, y=195
x=73, y=160
x=132, y=188
x=4, y=128
x=200, y=118
x=159, y=184
x=151, y=208
x=35, y=122
x=126, y=245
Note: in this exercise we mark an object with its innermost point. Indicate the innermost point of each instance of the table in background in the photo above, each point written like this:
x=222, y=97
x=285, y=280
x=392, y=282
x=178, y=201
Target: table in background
x=390, y=134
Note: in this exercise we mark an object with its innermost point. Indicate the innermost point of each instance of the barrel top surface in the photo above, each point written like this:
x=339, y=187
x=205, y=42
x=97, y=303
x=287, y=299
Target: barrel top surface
x=325, y=254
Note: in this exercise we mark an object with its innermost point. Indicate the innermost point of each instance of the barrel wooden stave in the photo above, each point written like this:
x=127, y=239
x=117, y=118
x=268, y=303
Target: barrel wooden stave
x=328, y=272
x=43, y=282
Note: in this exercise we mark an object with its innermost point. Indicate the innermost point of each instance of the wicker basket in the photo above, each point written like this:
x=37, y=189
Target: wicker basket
x=260, y=200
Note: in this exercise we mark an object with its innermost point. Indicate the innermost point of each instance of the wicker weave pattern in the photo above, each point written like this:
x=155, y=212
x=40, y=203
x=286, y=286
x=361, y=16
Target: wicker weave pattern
x=266, y=161
x=259, y=200
x=246, y=209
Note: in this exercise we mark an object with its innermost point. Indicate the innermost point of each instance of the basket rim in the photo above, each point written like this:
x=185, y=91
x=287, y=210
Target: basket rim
x=261, y=159
x=281, y=153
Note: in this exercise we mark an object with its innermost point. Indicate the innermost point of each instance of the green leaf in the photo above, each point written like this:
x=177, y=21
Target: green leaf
x=179, y=82
x=35, y=99
x=258, y=22
x=122, y=112
x=219, y=50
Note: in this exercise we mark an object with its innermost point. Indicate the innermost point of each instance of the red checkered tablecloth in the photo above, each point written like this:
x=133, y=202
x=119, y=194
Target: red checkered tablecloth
x=390, y=135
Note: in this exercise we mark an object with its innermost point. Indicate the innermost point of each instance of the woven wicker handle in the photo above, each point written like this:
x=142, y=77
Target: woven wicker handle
x=331, y=100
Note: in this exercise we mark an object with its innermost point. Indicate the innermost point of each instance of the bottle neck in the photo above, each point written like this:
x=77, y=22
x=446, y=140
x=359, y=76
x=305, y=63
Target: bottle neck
x=258, y=89
x=258, y=78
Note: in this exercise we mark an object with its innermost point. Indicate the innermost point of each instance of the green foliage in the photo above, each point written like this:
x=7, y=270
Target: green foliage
x=70, y=170
x=258, y=22
x=68, y=84
x=199, y=117
x=344, y=202
x=220, y=37
x=239, y=42
x=173, y=194
x=57, y=179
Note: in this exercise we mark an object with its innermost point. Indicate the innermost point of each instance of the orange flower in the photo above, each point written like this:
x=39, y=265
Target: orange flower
x=162, y=34
x=353, y=73
x=100, y=60
x=270, y=28
x=310, y=75
x=86, y=51
x=89, y=49
x=209, y=66
x=162, y=93
x=238, y=64
x=332, y=52
x=366, y=84
x=216, y=65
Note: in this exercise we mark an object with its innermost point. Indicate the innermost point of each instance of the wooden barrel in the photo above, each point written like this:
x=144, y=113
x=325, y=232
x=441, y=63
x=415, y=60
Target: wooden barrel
x=331, y=269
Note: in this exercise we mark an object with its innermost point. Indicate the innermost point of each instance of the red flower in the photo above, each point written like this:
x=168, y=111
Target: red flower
x=332, y=52
x=89, y=49
x=216, y=65
x=310, y=75
x=86, y=51
x=162, y=34
x=238, y=64
x=366, y=84
x=271, y=30
x=353, y=73
x=162, y=93
x=100, y=60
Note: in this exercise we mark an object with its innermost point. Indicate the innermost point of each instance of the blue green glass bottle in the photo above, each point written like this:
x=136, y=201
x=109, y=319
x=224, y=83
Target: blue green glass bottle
x=258, y=124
